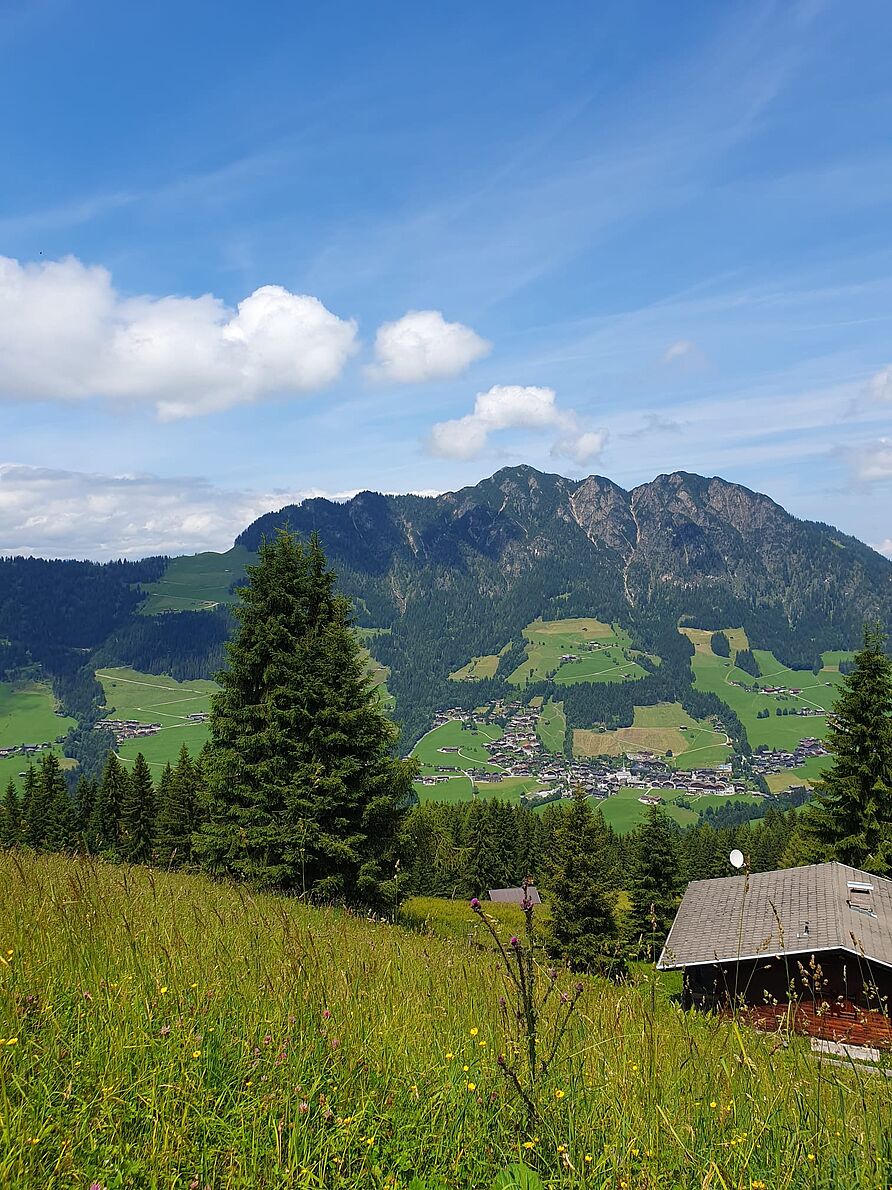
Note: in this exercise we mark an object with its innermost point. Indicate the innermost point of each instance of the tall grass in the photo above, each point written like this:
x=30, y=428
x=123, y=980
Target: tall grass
x=163, y=1031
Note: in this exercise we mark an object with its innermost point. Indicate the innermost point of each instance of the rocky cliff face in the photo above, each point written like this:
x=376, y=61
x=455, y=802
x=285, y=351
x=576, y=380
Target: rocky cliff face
x=682, y=541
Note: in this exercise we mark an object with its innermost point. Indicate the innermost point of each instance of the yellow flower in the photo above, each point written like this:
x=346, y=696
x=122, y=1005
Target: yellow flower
x=196, y=1053
x=529, y=1144
x=811, y=1156
x=481, y=1043
x=163, y=991
x=588, y=1157
x=474, y=1031
x=466, y=1069
x=12, y=1041
x=712, y=1103
x=559, y=1094
x=472, y=1086
x=194, y=985
x=450, y=1055
x=562, y=1148
x=370, y=1140
x=635, y=1152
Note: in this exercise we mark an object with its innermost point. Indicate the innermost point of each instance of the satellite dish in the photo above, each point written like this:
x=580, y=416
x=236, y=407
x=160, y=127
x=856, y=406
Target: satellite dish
x=736, y=858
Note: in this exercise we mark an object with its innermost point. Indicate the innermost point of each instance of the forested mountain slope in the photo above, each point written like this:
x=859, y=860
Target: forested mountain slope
x=455, y=576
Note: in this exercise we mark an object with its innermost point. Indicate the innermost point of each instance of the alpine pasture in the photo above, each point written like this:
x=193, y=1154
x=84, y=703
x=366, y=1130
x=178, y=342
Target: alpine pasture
x=163, y=1030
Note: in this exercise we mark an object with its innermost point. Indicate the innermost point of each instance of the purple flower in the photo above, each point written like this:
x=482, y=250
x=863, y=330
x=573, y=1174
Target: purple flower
x=514, y=940
x=475, y=904
x=325, y=1014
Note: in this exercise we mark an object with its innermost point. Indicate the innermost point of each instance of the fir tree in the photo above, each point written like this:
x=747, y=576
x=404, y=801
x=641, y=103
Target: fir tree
x=56, y=809
x=107, y=807
x=177, y=810
x=137, y=826
x=84, y=801
x=582, y=930
x=850, y=820
x=654, y=881
x=487, y=866
x=303, y=791
x=12, y=817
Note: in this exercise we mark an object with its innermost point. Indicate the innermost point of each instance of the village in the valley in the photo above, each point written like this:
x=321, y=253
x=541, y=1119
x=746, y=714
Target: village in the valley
x=518, y=752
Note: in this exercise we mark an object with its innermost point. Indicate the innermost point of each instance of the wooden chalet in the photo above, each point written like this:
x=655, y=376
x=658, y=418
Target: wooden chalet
x=812, y=945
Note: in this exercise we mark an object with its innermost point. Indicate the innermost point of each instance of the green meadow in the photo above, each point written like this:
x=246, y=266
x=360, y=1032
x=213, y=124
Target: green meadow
x=716, y=674
x=472, y=753
x=150, y=698
x=11, y=767
x=623, y=811
x=610, y=660
x=196, y=582
x=663, y=728
x=163, y=1030
x=28, y=714
x=551, y=727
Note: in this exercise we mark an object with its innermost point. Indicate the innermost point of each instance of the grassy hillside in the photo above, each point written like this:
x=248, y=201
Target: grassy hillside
x=161, y=1030
x=28, y=714
x=196, y=582
x=149, y=698
x=717, y=675
x=603, y=653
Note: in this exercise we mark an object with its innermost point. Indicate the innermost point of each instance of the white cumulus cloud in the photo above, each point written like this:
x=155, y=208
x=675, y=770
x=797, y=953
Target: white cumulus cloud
x=422, y=345
x=514, y=406
x=67, y=334
x=885, y=547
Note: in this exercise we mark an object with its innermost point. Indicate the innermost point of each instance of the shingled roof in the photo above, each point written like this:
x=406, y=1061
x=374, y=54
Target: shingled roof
x=792, y=911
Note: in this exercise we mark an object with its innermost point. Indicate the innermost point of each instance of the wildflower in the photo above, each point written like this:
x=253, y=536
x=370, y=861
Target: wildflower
x=811, y=1157
x=562, y=1148
x=466, y=1069
x=635, y=1152
x=515, y=942
x=96, y=1186
x=475, y=904
x=588, y=1157
x=12, y=1041
x=326, y=1014
x=481, y=1043
x=303, y=1107
x=196, y=1053
x=474, y=1031
x=450, y=1055
x=559, y=1094
x=193, y=985
x=370, y=1140
x=472, y=1086
x=529, y=1144
x=163, y=990
x=758, y=1184
x=712, y=1103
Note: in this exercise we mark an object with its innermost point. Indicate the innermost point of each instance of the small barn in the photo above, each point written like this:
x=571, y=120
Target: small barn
x=817, y=937
x=514, y=896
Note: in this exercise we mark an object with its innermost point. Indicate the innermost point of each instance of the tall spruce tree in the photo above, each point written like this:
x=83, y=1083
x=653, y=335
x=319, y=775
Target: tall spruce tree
x=582, y=931
x=137, y=827
x=177, y=818
x=12, y=817
x=654, y=882
x=58, y=830
x=303, y=790
x=104, y=828
x=850, y=820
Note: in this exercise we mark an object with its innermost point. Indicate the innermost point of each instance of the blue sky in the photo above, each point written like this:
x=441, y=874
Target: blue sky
x=614, y=238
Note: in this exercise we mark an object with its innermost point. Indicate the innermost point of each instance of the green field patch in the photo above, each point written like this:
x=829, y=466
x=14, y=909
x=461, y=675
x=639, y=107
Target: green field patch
x=454, y=789
x=470, y=753
x=28, y=714
x=666, y=727
x=12, y=767
x=623, y=810
x=197, y=582
x=602, y=653
x=819, y=691
x=150, y=698
x=509, y=788
x=551, y=727
x=478, y=667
